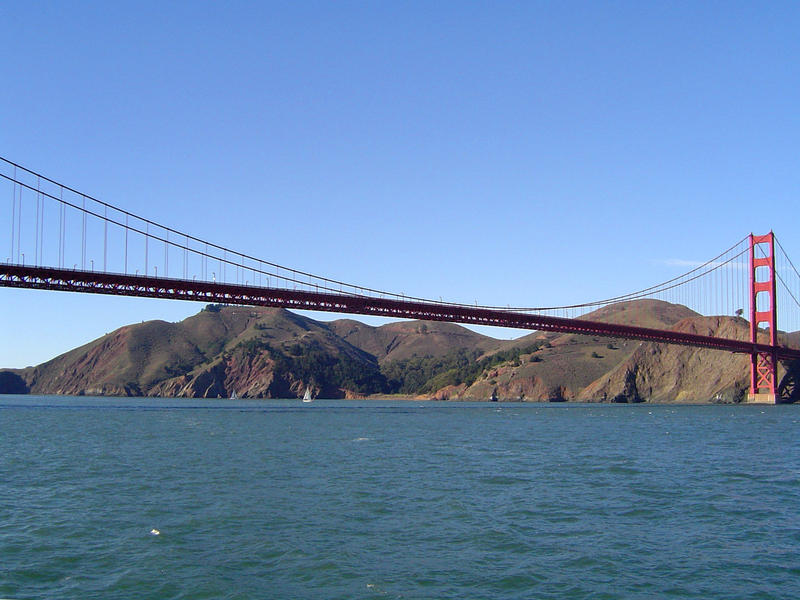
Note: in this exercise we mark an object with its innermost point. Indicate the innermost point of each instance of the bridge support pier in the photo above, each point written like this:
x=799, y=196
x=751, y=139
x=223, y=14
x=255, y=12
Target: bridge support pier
x=763, y=365
x=764, y=378
x=761, y=399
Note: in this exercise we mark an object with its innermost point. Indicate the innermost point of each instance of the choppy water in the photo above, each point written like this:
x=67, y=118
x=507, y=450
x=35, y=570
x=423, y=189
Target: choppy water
x=396, y=500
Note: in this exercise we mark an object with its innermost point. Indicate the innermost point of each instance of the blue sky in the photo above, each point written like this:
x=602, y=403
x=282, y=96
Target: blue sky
x=523, y=153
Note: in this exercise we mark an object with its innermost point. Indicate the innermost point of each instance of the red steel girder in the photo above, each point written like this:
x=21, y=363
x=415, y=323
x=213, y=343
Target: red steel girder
x=48, y=278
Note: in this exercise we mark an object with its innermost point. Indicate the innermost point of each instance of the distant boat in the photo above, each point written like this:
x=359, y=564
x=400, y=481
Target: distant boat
x=493, y=397
x=233, y=395
x=307, y=395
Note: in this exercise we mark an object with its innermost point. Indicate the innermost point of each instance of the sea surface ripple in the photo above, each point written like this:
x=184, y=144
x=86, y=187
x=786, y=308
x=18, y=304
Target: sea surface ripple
x=158, y=499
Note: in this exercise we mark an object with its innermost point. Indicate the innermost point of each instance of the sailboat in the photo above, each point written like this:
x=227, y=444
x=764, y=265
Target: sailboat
x=233, y=395
x=307, y=395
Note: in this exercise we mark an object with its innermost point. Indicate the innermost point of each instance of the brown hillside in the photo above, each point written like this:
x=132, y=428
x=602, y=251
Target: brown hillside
x=655, y=314
x=260, y=352
x=793, y=339
x=559, y=371
x=568, y=366
x=205, y=355
x=404, y=339
x=669, y=373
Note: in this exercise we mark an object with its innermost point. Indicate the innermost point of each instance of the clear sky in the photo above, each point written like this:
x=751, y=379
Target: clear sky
x=521, y=153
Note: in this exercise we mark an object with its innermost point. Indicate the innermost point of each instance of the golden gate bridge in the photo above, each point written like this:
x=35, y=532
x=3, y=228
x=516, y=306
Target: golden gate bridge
x=59, y=238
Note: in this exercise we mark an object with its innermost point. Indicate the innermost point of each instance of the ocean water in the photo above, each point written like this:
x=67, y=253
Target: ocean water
x=121, y=498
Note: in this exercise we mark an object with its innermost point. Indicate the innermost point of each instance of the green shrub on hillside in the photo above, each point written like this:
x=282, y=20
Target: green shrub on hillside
x=315, y=365
x=422, y=375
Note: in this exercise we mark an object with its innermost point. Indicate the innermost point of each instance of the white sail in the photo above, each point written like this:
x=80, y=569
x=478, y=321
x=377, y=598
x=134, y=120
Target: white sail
x=307, y=395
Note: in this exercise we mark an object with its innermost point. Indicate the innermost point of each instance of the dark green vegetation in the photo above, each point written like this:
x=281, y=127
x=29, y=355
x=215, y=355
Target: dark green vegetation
x=320, y=369
x=426, y=375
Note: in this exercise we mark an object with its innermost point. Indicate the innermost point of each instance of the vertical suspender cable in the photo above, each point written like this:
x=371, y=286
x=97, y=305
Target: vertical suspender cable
x=711, y=292
x=734, y=286
x=83, y=237
x=105, y=238
x=712, y=296
x=702, y=286
x=36, y=234
x=64, y=242
x=166, y=254
x=13, y=213
x=734, y=283
x=722, y=292
x=126, y=243
x=739, y=291
x=19, y=225
x=702, y=283
x=729, y=287
x=61, y=230
x=744, y=292
x=778, y=288
x=41, y=232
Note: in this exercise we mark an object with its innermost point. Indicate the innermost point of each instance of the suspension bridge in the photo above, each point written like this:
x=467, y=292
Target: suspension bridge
x=59, y=238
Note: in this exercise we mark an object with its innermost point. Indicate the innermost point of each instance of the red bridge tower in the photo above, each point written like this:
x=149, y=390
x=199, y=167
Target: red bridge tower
x=763, y=365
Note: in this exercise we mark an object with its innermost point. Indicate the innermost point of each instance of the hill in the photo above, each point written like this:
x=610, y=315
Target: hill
x=660, y=372
x=255, y=352
x=274, y=353
x=405, y=339
x=554, y=366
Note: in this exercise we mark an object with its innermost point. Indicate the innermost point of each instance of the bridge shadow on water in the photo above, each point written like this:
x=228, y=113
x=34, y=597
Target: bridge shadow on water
x=789, y=388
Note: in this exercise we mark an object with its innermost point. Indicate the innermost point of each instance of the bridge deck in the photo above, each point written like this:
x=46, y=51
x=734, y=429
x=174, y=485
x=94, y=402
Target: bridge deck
x=47, y=278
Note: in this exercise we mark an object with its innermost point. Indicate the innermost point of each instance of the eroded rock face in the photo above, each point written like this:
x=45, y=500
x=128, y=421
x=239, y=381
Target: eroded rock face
x=629, y=393
x=215, y=353
x=595, y=370
x=12, y=383
x=669, y=373
x=528, y=389
x=248, y=374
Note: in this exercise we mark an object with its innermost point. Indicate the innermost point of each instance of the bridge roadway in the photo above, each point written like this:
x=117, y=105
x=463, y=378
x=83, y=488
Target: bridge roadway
x=94, y=282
